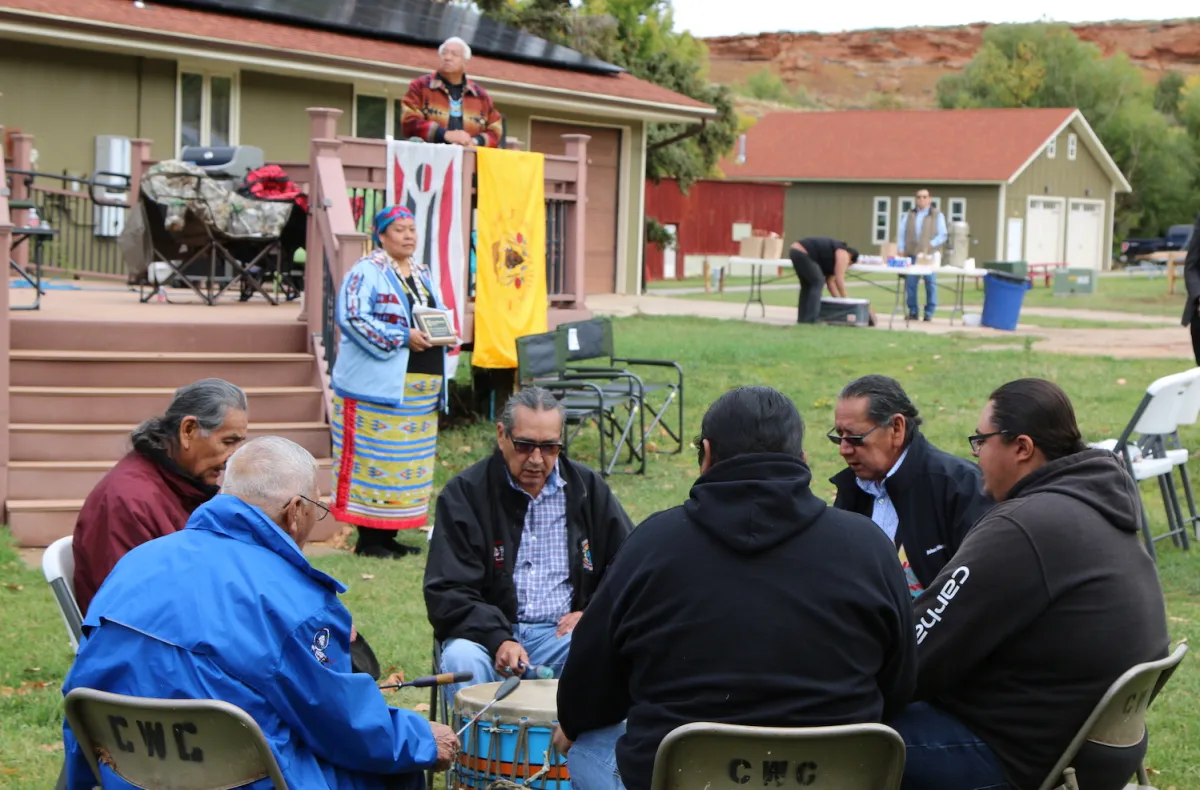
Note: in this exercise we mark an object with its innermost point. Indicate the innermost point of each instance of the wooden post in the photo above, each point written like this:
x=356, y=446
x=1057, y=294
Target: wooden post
x=577, y=250
x=22, y=159
x=139, y=163
x=6, y=228
x=466, y=318
x=322, y=125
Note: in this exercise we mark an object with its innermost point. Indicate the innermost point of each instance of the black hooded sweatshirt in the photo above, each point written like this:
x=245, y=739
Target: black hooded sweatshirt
x=1050, y=599
x=752, y=603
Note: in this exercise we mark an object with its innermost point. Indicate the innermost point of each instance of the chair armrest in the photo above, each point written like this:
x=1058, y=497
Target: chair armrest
x=660, y=363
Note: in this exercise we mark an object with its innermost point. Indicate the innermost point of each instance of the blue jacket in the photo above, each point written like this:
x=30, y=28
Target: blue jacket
x=228, y=608
x=374, y=316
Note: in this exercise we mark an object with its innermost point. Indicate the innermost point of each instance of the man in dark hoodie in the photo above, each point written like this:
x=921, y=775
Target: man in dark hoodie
x=1049, y=600
x=923, y=498
x=752, y=603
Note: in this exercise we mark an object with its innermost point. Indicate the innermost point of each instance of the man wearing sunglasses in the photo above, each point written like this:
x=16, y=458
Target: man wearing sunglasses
x=520, y=542
x=924, y=499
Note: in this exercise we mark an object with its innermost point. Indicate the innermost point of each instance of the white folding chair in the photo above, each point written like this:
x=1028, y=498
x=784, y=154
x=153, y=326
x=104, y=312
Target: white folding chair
x=171, y=744
x=1168, y=403
x=1119, y=720
x=58, y=566
x=846, y=757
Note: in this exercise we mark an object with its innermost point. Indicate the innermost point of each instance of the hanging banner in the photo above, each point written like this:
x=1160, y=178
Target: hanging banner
x=510, y=273
x=427, y=180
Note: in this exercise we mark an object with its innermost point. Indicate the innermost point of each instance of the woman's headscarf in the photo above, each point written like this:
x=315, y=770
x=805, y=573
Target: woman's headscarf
x=387, y=216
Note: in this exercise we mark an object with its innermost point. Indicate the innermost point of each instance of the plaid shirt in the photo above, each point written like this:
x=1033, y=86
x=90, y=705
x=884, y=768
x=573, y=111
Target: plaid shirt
x=543, y=570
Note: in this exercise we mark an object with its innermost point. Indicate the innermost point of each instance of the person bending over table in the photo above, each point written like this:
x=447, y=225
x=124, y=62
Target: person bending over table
x=820, y=260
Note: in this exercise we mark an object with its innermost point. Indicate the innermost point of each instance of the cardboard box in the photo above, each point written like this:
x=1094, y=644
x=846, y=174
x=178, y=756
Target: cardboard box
x=772, y=248
x=751, y=247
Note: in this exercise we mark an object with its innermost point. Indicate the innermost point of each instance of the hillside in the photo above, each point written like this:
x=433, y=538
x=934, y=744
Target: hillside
x=900, y=67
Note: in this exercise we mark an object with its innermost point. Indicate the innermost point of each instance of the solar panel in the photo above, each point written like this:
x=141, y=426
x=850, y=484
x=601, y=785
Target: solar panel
x=425, y=23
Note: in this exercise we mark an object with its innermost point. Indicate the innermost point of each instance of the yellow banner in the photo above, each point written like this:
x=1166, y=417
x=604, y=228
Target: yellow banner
x=510, y=254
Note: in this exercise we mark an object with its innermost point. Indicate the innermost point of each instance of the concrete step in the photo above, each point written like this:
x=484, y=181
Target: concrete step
x=108, y=442
x=134, y=404
x=57, y=480
x=31, y=332
x=39, y=522
x=35, y=368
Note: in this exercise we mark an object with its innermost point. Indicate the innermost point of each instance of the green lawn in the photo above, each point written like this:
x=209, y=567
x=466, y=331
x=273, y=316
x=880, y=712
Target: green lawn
x=947, y=377
x=1141, y=295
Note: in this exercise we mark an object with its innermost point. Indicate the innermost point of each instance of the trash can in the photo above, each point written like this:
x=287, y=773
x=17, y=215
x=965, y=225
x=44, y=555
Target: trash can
x=1003, y=295
x=1008, y=267
x=1074, y=281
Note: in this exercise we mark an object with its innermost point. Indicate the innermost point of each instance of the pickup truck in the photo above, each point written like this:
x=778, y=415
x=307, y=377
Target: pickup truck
x=1177, y=238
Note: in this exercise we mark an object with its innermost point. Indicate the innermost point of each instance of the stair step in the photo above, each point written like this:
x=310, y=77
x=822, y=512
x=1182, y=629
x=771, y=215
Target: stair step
x=36, y=332
x=108, y=442
x=134, y=404
x=36, y=523
x=39, y=368
x=50, y=480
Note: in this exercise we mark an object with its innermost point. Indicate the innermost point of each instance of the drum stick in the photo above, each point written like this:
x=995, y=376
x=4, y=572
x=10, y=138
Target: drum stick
x=506, y=688
x=444, y=679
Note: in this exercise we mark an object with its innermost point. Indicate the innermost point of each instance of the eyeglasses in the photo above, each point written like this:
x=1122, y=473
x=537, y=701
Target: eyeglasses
x=977, y=440
x=324, y=511
x=527, y=446
x=853, y=440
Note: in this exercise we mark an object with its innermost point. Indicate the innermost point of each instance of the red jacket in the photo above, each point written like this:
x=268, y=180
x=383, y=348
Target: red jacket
x=137, y=501
x=426, y=112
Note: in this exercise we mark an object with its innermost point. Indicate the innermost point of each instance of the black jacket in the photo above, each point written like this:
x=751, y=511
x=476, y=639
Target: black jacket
x=1191, y=274
x=469, y=590
x=1050, y=599
x=938, y=497
x=752, y=603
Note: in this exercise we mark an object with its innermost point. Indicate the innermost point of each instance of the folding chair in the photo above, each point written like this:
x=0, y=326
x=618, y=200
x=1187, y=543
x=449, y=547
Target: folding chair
x=58, y=566
x=847, y=757
x=593, y=340
x=1168, y=403
x=1119, y=720
x=541, y=361
x=171, y=744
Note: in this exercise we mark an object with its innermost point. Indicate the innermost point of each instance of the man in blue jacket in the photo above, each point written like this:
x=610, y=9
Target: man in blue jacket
x=229, y=609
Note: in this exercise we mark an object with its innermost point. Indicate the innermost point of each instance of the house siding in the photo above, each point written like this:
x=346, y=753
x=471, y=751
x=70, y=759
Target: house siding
x=846, y=212
x=66, y=97
x=274, y=113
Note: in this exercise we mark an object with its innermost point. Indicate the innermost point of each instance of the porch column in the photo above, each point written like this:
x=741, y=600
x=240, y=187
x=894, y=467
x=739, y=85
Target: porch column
x=22, y=159
x=577, y=150
x=322, y=125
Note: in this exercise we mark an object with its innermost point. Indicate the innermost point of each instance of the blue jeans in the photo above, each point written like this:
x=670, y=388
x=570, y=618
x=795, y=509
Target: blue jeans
x=943, y=754
x=910, y=292
x=592, y=760
x=545, y=649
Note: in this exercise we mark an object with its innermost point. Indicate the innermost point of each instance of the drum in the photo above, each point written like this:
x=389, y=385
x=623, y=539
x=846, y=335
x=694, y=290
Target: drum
x=511, y=741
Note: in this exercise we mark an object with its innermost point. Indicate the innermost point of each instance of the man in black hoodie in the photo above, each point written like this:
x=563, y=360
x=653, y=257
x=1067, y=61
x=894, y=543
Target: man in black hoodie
x=752, y=603
x=1050, y=599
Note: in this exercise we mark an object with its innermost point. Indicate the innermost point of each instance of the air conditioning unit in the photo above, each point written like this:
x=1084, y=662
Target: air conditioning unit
x=114, y=154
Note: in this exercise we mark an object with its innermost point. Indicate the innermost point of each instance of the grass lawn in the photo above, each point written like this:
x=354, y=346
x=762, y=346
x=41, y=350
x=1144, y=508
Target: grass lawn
x=949, y=380
x=1125, y=294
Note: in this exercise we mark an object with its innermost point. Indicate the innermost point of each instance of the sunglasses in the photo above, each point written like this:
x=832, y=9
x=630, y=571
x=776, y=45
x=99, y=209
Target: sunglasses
x=526, y=447
x=853, y=440
x=976, y=440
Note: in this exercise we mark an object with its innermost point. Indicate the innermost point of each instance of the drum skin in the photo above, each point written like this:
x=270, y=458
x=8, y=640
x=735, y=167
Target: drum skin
x=511, y=741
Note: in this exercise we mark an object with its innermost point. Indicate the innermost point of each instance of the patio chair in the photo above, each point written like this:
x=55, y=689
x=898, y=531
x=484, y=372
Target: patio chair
x=847, y=757
x=1118, y=721
x=58, y=566
x=592, y=340
x=171, y=744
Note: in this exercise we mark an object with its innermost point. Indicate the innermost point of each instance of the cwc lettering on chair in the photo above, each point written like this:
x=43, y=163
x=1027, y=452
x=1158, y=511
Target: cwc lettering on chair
x=154, y=738
x=775, y=773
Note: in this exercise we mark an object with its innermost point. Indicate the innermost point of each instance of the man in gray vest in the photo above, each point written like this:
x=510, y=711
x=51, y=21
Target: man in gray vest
x=922, y=232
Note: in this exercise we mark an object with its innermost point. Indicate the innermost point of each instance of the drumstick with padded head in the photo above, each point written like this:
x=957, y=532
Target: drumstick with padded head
x=443, y=679
x=506, y=688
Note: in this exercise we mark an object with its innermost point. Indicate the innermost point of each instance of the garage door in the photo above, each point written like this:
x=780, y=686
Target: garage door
x=604, y=168
x=1085, y=234
x=1043, y=230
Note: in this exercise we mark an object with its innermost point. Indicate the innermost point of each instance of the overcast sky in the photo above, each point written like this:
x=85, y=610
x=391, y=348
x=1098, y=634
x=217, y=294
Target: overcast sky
x=730, y=17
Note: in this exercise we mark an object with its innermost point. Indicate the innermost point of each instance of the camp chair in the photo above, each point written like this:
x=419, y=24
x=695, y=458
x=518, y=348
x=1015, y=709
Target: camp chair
x=1119, y=720
x=592, y=341
x=171, y=744
x=541, y=361
x=848, y=757
x=58, y=566
x=1168, y=403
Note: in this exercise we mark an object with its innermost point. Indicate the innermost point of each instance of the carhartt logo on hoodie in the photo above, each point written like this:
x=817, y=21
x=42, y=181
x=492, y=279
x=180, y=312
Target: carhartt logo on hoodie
x=950, y=589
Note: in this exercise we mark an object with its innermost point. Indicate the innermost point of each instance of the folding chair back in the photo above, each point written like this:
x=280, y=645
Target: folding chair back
x=58, y=566
x=171, y=744
x=591, y=339
x=1168, y=402
x=1119, y=720
x=540, y=356
x=728, y=756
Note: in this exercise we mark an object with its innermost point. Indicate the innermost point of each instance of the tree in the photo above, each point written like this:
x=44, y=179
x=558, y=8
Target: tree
x=1168, y=93
x=1046, y=65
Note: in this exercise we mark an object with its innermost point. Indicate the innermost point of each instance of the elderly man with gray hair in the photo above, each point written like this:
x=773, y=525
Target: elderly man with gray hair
x=173, y=468
x=257, y=626
x=446, y=107
x=521, y=541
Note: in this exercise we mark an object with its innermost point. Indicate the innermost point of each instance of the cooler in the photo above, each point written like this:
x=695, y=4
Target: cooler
x=845, y=312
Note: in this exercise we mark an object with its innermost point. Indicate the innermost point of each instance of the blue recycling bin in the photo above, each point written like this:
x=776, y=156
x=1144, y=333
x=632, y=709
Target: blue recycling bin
x=1003, y=295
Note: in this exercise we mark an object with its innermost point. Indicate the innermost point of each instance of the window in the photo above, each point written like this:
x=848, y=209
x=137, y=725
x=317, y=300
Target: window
x=1052, y=148
x=371, y=117
x=207, y=109
x=881, y=225
x=1072, y=144
x=958, y=209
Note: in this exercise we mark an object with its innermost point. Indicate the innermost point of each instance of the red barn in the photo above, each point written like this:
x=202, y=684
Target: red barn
x=703, y=219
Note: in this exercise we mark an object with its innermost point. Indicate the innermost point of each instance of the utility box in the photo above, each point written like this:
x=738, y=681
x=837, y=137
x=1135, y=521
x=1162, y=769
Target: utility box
x=1015, y=268
x=1074, y=281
